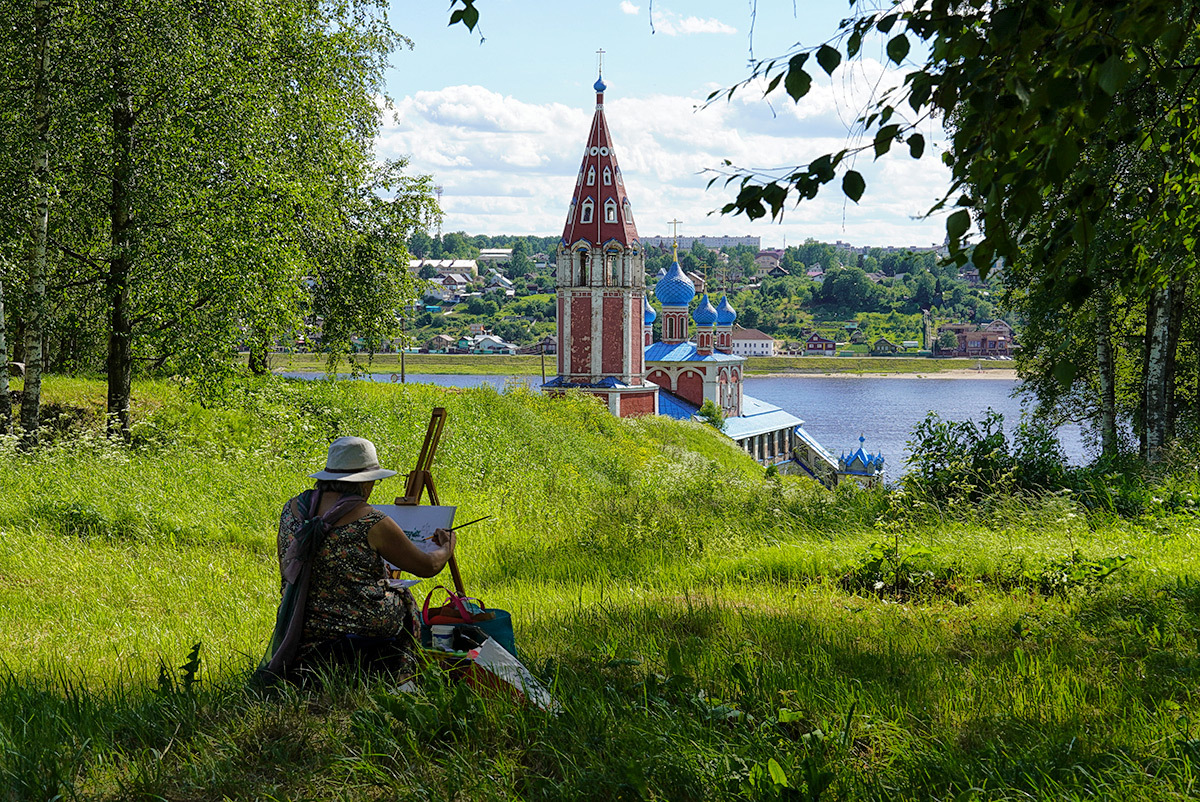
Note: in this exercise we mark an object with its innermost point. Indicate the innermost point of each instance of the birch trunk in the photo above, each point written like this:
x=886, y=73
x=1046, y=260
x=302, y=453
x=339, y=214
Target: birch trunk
x=39, y=181
x=1107, y=376
x=120, y=337
x=1174, y=325
x=1158, y=319
x=5, y=403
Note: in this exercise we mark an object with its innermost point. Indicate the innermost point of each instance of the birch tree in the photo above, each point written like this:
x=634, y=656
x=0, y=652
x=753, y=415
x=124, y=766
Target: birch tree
x=35, y=261
x=1157, y=322
x=5, y=403
x=199, y=149
x=1106, y=375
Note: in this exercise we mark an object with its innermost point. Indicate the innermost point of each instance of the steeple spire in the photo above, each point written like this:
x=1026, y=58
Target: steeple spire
x=600, y=210
x=601, y=277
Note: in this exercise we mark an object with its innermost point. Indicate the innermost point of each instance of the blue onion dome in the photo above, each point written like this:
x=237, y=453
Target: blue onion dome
x=725, y=313
x=706, y=313
x=675, y=288
x=648, y=313
x=599, y=86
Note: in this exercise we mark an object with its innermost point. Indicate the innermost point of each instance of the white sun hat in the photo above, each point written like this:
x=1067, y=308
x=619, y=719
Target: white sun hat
x=352, y=459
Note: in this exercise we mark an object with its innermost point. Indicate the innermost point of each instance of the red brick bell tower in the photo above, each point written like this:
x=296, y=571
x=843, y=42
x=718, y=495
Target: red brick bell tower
x=601, y=280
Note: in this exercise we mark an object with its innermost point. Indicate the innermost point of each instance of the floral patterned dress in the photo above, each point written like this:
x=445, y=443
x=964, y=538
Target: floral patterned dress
x=349, y=593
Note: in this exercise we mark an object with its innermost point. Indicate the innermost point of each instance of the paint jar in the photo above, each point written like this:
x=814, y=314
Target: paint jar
x=443, y=637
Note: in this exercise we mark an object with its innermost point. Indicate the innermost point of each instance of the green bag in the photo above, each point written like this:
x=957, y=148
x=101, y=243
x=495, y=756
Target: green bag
x=463, y=610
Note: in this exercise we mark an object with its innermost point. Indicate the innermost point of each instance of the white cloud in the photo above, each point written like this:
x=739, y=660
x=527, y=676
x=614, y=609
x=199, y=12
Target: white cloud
x=629, y=8
x=509, y=167
x=668, y=23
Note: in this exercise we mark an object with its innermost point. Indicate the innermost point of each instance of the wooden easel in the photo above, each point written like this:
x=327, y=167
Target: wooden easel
x=420, y=480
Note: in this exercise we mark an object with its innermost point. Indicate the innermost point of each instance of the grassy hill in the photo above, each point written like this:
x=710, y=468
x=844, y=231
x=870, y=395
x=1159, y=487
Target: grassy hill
x=711, y=633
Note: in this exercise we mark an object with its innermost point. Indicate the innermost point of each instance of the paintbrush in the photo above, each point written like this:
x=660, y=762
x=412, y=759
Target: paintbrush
x=396, y=573
x=468, y=523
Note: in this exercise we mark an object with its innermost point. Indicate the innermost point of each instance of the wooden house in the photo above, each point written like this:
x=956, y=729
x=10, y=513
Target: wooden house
x=883, y=347
x=816, y=345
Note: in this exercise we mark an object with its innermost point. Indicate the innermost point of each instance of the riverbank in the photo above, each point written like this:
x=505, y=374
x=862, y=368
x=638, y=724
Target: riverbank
x=1002, y=374
x=532, y=365
x=878, y=366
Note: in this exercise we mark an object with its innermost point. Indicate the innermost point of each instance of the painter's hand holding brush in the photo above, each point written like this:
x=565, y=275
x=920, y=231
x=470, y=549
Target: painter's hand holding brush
x=444, y=537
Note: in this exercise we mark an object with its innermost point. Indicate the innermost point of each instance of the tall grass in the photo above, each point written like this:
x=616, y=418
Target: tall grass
x=710, y=632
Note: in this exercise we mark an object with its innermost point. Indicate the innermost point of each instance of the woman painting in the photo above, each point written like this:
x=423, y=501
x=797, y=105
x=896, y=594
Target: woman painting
x=329, y=546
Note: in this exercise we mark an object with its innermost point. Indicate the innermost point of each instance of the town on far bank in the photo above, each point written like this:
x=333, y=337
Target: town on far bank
x=495, y=295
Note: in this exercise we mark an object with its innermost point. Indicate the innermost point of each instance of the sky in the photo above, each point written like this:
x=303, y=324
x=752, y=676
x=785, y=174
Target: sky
x=500, y=123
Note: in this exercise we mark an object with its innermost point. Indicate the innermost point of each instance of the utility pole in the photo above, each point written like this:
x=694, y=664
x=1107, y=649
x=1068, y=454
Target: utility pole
x=402, y=349
x=438, y=191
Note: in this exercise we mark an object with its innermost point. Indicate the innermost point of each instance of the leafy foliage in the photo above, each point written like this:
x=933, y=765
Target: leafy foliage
x=1027, y=88
x=959, y=458
x=209, y=165
x=711, y=414
x=1077, y=571
x=965, y=461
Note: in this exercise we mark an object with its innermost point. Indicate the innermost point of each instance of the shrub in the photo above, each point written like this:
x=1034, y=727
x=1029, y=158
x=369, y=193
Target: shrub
x=1039, y=460
x=956, y=459
x=711, y=414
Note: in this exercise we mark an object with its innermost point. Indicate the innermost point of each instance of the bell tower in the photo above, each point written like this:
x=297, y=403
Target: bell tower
x=601, y=281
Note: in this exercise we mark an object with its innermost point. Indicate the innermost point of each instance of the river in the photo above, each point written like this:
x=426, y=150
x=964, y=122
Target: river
x=837, y=410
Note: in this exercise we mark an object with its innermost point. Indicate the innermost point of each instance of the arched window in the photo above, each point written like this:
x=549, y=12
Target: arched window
x=583, y=268
x=614, y=270
x=591, y=176
x=669, y=325
x=586, y=215
x=610, y=211
x=607, y=177
x=628, y=212
x=571, y=213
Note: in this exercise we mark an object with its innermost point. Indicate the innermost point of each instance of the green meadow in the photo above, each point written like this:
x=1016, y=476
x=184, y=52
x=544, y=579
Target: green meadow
x=461, y=364
x=531, y=365
x=710, y=632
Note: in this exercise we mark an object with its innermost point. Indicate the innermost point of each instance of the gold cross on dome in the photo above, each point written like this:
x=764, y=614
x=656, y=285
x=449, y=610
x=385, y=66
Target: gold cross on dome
x=600, y=61
x=674, y=224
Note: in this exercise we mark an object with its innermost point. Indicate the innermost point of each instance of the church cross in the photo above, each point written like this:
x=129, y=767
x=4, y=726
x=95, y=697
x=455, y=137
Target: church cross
x=674, y=224
x=600, y=61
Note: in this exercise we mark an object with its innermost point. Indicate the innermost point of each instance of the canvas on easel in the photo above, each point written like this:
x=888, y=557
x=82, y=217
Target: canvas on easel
x=419, y=524
x=420, y=482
